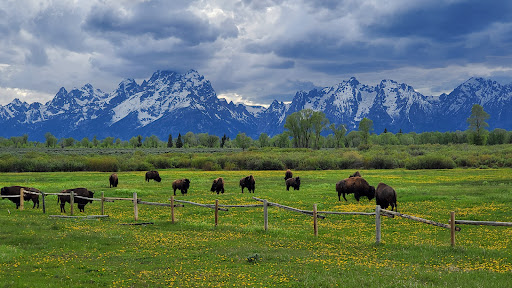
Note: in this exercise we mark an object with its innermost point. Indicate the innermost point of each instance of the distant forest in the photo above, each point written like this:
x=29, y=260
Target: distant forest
x=305, y=129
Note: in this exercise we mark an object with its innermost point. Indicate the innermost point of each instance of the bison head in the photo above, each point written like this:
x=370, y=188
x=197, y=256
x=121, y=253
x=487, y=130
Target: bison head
x=371, y=193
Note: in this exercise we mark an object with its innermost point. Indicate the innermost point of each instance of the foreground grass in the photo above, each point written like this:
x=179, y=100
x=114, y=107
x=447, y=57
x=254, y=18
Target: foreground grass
x=38, y=251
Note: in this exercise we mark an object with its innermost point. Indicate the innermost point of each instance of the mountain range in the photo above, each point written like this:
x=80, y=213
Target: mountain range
x=172, y=103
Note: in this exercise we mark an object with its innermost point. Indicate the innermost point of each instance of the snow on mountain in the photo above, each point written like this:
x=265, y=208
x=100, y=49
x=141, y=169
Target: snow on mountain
x=172, y=103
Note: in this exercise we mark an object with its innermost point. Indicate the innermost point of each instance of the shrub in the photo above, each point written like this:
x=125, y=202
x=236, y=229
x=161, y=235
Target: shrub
x=161, y=162
x=103, y=164
x=430, y=162
x=205, y=163
x=382, y=162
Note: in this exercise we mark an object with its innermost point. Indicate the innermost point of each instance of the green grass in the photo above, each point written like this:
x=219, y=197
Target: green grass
x=38, y=251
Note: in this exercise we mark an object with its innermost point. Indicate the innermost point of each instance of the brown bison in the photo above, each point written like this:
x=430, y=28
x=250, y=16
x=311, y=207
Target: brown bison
x=113, y=180
x=249, y=183
x=356, y=185
x=385, y=195
x=218, y=185
x=15, y=190
x=153, y=175
x=182, y=185
x=356, y=174
x=288, y=174
x=293, y=182
x=83, y=192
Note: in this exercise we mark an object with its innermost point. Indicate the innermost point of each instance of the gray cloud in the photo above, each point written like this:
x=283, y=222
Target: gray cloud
x=159, y=19
x=259, y=50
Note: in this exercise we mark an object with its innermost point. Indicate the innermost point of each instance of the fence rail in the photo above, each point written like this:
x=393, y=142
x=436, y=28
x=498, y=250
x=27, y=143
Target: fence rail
x=218, y=207
x=417, y=219
x=306, y=212
x=483, y=223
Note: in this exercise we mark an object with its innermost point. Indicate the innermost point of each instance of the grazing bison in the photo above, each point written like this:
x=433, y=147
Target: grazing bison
x=356, y=185
x=83, y=192
x=293, y=182
x=113, y=180
x=182, y=184
x=153, y=175
x=15, y=190
x=288, y=174
x=218, y=185
x=248, y=182
x=356, y=174
x=385, y=195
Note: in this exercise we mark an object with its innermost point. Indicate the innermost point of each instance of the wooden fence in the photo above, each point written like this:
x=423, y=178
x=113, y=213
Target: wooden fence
x=217, y=207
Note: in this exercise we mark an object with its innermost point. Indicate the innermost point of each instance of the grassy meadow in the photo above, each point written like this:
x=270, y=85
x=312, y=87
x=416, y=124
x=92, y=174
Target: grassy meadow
x=39, y=251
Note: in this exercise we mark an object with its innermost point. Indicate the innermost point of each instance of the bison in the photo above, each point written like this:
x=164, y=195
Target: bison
x=248, y=182
x=113, y=180
x=356, y=174
x=288, y=174
x=182, y=185
x=15, y=190
x=293, y=182
x=153, y=175
x=83, y=192
x=356, y=185
x=218, y=185
x=385, y=195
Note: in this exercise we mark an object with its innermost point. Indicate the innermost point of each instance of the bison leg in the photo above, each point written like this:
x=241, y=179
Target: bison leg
x=174, y=192
x=345, y=197
x=287, y=188
x=222, y=191
x=243, y=190
x=62, y=209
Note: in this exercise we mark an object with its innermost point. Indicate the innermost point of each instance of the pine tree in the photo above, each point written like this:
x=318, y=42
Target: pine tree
x=179, y=142
x=223, y=141
x=169, y=141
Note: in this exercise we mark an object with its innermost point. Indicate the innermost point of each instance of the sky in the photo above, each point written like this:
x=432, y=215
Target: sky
x=252, y=51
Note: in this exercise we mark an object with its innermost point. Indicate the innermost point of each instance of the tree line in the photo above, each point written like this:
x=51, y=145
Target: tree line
x=303, y=129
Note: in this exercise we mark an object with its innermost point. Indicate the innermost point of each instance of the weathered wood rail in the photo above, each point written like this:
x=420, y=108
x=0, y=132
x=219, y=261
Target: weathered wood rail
x=483, y=223
x=218, y=207
x=306, y=212
x=417, y=219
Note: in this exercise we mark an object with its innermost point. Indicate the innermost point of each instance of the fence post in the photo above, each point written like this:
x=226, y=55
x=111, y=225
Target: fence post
x=72, y=201
x=22, y=199
x=135, y=207
x=172, y=209
x=44, y=205
x=452, y=228
x=265, y=214
x=216, y=212
x=102, y=203
x=377, y=224
x=315, y=220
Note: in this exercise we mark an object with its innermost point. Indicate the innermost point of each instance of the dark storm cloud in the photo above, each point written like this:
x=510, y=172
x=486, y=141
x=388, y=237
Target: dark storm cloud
x=441, y=22
x=287, y=64
x=258, y=49
x=427, y=34
x=160, y=19
x=58, y=26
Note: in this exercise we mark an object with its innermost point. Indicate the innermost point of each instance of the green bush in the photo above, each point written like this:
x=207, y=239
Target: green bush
x=103, y=164
x=431, y=162
x=205, y=163
x=382, y=162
